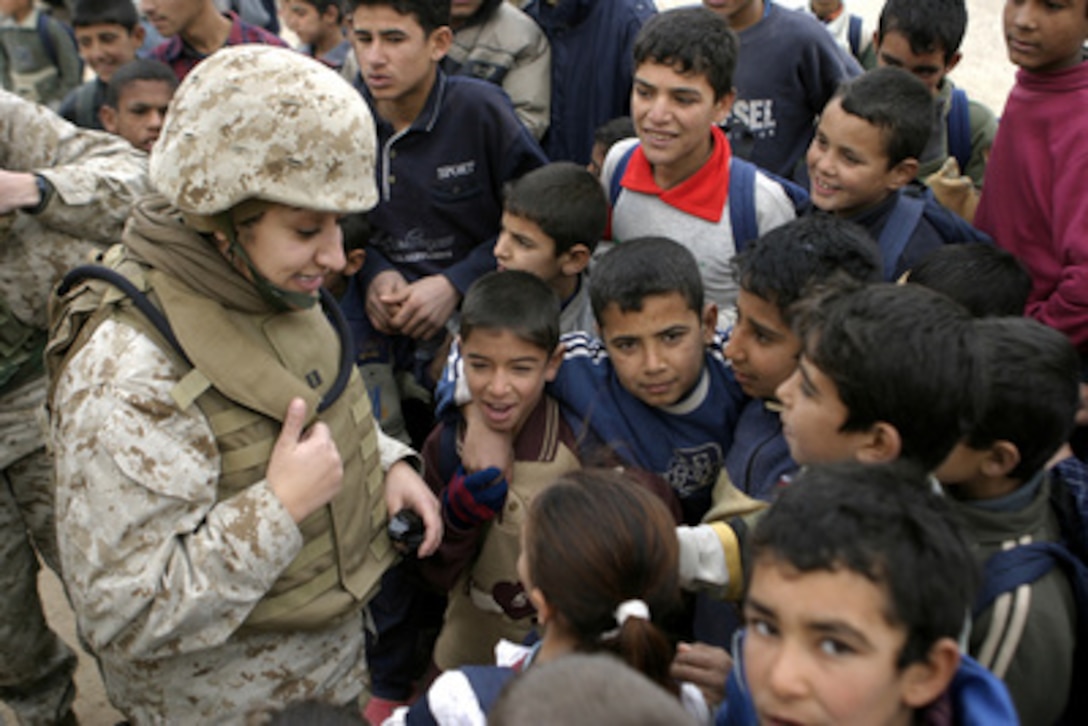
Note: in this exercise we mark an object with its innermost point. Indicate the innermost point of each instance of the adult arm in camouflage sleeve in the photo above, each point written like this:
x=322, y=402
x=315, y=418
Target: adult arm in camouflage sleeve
x=179, y=571
x=95, y=176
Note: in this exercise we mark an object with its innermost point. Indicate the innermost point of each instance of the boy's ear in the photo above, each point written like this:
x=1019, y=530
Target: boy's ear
x=554, y=361
x=108, y=116
x=355, y=259
x=953, y=62
x=575, y=260
x=1001, y=458
x=923, y=682
x=724, y=105
x=902, y=174
x=882, y=444
x=710, y=322
x=440, y=41
x=138, y=34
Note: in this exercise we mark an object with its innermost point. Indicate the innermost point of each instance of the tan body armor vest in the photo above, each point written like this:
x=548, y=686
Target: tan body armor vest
x=246, y=368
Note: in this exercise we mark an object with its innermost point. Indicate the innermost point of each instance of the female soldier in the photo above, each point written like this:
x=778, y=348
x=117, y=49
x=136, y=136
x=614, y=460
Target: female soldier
x=222, y=486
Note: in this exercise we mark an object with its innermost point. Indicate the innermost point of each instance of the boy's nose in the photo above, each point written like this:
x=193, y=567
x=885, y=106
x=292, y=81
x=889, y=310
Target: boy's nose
x=785, y=676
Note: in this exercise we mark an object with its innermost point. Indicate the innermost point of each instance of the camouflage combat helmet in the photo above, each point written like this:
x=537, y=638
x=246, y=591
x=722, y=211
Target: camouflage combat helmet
x=261, y=122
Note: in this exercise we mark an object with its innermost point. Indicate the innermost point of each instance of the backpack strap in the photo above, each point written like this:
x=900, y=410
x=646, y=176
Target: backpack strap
x=853, y=34
x=1022, y=565
x=742, y=202
x=85, y=108
x=617, y=175
x=898, y=230
x=46, y=39
x=959, y=129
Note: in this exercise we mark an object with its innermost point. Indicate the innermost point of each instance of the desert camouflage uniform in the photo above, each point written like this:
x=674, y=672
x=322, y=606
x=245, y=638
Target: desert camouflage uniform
x=161, y=598
x=95, y=177
x=169, y=554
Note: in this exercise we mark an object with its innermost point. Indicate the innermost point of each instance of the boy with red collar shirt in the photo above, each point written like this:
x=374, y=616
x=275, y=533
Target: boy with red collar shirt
x=673, y=180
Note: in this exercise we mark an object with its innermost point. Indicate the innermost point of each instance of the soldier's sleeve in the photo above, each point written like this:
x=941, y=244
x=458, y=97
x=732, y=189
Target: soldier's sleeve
x=95, y=176
x=154, y=561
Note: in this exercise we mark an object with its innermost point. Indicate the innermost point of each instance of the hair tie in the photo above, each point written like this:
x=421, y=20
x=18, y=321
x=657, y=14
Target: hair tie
x=631, y=609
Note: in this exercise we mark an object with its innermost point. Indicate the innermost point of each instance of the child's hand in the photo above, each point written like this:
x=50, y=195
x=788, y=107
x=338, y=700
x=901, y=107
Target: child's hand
x=483, y=447
x=954, y=191
x=385, y=286
x=705, y=666
x=474, y=499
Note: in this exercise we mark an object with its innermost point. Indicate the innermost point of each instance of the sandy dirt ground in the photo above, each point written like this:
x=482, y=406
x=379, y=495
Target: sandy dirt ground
x=984, y=72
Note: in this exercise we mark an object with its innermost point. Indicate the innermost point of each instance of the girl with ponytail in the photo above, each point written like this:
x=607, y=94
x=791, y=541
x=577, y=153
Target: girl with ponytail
x=599, y=563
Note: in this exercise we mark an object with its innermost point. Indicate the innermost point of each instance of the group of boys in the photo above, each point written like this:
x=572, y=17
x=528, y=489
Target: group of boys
x=821, y=363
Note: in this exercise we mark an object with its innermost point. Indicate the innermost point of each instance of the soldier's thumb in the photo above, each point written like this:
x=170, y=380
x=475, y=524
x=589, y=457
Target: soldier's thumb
x=293, y=421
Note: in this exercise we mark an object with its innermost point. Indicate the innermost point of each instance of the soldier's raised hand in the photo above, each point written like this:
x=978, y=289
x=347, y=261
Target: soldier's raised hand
x=305, y=470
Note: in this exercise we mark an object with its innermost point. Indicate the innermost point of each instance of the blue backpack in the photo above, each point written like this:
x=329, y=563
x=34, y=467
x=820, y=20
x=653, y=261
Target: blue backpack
x=741, y=196
x=916, y=202
x=1009, y=569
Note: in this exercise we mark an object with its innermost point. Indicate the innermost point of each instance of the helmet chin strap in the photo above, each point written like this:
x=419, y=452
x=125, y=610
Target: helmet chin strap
x=279, y=298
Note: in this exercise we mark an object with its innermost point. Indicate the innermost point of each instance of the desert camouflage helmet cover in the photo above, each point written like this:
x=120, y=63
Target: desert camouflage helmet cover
x=260, y=122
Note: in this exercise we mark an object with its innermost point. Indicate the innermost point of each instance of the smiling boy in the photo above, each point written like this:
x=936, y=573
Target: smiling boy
x=510, y=342
x=864, y=156
x=674, y=179
x=108, y=35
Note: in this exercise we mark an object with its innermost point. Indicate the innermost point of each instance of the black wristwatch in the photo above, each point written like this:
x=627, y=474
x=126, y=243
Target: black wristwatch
x=45, y=192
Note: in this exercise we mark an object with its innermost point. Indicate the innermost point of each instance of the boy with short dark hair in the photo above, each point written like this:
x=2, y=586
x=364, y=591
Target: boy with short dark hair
x=551, y=222
x=451, y=143
x=679, y=177
x=38, y=57
x=985, y=279
x=509, y=340
x=815, y=252
x=195, y=29
x=1034, y=205
x=653, y=391
x=924, y=37
x=787, y=69
x=858, y=592
x=883, y=375
x=136, y=101
x=319, y=25
x=998, y=481
x=864, y=156
x=108, y=35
